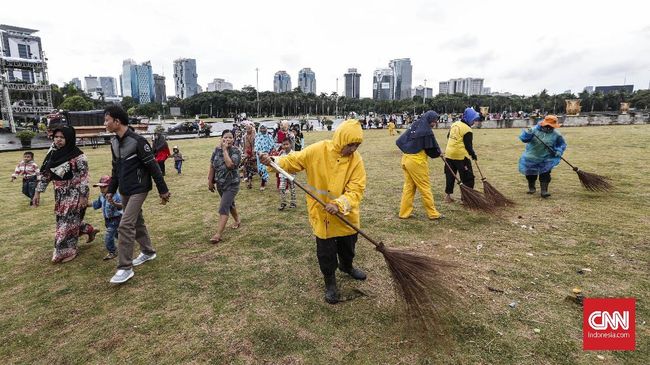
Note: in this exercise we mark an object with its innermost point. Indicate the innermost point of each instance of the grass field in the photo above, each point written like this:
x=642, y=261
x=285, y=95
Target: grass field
x=258, y=297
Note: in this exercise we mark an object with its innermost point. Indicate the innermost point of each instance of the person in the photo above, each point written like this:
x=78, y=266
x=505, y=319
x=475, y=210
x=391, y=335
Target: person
x=28, y=169
x=112, y=213
x=537, y=159
x=416, y=144
x=391, y=128
x=285, y=183
x=66, y=166
x=298, y=138
x=250, y=159
x=223, y=173
x=134, y=166
x=161, y=150
x=459, y=150
x=178, y=159
x=336, y=173
x=263, y=144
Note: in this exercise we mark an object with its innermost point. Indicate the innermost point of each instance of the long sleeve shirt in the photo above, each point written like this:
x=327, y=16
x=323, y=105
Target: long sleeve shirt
x=108, y=210
x=26, y=170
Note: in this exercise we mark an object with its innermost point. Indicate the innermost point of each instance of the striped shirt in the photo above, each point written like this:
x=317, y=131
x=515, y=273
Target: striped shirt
x=26, y=169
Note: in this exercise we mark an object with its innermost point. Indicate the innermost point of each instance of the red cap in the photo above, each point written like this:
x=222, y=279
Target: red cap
x=104, y=181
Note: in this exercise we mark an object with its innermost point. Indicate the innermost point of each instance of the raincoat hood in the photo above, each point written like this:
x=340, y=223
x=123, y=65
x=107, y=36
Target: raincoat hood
x=420, y=135
x=347, y=132
x=470, y=116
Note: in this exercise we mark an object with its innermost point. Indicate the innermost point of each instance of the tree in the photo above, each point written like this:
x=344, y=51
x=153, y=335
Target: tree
x=128, y=102
x=76, y=103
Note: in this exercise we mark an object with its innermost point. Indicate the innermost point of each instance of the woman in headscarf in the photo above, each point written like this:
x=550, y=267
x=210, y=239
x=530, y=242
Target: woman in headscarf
x=161, y=150
x=416, y=144
x=263, y=144
x=249, y=158
x=537, y=159
x=67, y=167
x=459, y=150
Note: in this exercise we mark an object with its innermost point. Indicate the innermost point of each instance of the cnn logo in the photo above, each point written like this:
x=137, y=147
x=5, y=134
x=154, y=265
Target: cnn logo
x=609, y=324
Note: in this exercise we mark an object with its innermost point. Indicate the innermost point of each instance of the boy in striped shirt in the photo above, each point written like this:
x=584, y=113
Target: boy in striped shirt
x=30, y=173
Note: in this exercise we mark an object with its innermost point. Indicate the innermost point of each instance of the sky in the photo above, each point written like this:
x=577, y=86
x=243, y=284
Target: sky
x=520, y=47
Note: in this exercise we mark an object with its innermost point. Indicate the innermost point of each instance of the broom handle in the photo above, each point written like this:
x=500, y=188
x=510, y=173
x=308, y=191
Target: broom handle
x=550, y=149
x=450, y=170
x=339, y=215
x=479, y=170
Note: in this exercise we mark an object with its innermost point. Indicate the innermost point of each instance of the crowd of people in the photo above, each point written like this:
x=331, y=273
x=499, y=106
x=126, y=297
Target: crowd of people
x=334, y=169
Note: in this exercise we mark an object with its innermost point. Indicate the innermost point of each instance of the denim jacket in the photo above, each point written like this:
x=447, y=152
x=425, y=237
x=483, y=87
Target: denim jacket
x=108, y=209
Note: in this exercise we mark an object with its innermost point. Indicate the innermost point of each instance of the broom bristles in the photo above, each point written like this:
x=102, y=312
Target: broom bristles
x=475, y=200
x=495, y=196
x=419, y=281
x=593, y=182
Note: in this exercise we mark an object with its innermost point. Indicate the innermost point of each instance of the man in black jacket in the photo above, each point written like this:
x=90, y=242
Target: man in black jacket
x=134, y=166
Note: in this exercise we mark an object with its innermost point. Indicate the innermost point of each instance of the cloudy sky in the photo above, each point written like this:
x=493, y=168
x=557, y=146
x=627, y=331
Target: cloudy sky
x=516, y=46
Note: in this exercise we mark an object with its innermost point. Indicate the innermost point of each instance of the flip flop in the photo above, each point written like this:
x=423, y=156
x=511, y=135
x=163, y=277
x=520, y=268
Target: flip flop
x=236, y=225
x=215, y=241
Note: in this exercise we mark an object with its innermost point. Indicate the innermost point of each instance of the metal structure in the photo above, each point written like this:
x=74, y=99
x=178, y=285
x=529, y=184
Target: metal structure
x=25, y=91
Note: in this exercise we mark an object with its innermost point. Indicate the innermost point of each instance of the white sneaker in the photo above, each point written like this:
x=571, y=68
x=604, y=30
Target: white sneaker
x=122, y=276
x=142, y=258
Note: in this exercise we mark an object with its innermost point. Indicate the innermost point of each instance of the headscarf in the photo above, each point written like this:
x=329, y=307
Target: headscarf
x=347, y=133
x=419, y=136
x=56, y=159
x=470, y=116
x=160, y=142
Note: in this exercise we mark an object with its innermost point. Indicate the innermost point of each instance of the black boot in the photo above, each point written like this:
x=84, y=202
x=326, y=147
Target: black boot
x=354, y=272
x=531, y=187
x=544, y=186
x=331, y=292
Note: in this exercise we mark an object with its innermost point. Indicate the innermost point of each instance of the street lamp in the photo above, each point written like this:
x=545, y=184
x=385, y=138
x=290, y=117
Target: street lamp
x=337, y=97
x=257, y=89
x=424, y=98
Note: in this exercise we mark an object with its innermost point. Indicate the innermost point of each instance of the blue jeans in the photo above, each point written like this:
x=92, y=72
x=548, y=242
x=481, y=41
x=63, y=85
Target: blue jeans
x=178, y=165
x=29, y=188
x=111, y=233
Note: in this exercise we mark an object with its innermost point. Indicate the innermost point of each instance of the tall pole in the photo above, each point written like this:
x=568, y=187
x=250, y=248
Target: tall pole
x=424, y=99
x=257, y=89
x=337, y=97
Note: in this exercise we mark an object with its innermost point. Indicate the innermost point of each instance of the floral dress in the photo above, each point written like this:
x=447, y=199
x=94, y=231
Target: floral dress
x=69, y=216
x=263, y=144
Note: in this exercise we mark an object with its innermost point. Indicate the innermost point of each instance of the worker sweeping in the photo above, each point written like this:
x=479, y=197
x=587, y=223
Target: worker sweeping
x=538, y=159
x=391, y=127
x=416, y=144
x=336, y=174
x=459, y=150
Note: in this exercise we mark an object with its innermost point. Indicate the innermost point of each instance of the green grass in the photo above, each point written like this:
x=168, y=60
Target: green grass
x=257, y=297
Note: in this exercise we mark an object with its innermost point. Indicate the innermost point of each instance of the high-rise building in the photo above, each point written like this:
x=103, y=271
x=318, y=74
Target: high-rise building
x=467, y=86
x=422, y=91
x=402, y=71
x=352, y=82
x=307, y=81
x=219, y=85
x=159, y=88
x=486, y=91
x=383, y=84
x=614, y=89
x=136, y=81
x=281, y=82
x=76, y=82
x=23, y=75
x=589, y=89
x=108, y=86
x=185, y=77
x=91, y=84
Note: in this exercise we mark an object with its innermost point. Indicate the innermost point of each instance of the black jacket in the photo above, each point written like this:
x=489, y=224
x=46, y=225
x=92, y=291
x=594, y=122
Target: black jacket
x=134, y=165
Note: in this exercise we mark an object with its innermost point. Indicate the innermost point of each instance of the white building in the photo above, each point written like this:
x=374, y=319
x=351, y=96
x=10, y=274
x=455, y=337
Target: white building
x=219, y=85
x=467, y=86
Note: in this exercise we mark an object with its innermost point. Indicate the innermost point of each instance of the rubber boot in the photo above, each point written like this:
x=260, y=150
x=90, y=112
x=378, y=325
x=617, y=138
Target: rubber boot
x=544, y=186
x=331, y=292
x=355, y=273
x=531, y=187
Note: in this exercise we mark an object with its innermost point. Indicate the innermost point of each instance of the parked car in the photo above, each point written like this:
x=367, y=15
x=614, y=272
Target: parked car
x=184, y=127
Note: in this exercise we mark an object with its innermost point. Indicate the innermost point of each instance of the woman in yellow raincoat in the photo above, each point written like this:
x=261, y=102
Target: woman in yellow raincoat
x=391, y=127
x=416, y=144
x=335, y=173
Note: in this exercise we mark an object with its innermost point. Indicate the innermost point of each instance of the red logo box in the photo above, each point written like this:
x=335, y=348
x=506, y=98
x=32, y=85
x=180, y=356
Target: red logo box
x=609, y=324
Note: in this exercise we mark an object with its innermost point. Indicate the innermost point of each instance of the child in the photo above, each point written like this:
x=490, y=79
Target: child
x=28, y=168
x=112, y=212
x=178, y=159
x=284, y=182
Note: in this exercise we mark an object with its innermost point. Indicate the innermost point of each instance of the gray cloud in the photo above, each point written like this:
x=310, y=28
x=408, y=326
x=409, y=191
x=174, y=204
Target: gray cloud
x=464, y=41
x=480, y=60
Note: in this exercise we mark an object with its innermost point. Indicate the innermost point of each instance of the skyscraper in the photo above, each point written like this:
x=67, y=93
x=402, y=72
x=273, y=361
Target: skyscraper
x=76, y=82
x=383, y=84
x=402, y=71
x=108, y=86
x=352, y=80
x=185, y=77
x=92, y=84
x=136, y=81
x=159, y=88
x=219, y=85
x=467, y=86
x=307, y=81
x=281, y=82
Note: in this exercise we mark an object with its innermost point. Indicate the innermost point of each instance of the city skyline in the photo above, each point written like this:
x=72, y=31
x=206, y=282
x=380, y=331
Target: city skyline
x=511, y=48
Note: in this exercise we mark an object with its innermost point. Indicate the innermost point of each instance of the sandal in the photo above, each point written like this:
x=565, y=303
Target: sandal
x=236, y=225
x=92, y=234
x=214, y=240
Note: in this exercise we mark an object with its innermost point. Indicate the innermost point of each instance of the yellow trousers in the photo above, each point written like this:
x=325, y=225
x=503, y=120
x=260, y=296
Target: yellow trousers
x=416, y=176
x=391, y=131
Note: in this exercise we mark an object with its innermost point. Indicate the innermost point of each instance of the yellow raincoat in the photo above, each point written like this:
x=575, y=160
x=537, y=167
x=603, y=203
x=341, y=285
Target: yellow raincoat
x=333, y=178
x=455, y=146
x=391, y=128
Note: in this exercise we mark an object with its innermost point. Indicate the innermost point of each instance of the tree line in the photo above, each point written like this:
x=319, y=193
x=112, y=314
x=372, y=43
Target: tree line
x=228, y=103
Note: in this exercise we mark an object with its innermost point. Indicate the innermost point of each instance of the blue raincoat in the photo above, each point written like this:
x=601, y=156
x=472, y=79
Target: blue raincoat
x=537, y=158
